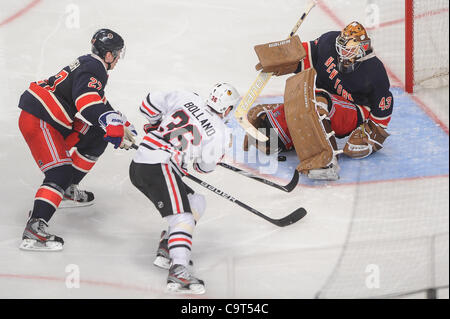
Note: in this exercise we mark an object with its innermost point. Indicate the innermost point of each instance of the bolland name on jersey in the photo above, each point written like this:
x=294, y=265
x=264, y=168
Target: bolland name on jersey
x=198, y=114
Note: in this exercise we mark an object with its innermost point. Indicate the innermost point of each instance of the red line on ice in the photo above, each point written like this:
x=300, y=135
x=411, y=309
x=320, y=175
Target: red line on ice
x=419, y=16
x=119, y=286
x=19, y=13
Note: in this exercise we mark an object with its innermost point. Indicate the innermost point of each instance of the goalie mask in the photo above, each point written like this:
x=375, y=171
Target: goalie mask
x=351, y=45
x=221, y=97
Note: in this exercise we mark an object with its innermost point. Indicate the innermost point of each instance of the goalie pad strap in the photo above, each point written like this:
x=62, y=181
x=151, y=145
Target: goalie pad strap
x=309, y=135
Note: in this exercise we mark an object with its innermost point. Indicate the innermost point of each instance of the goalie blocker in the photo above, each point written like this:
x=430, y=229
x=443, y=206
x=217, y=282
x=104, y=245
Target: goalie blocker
x=281, y=57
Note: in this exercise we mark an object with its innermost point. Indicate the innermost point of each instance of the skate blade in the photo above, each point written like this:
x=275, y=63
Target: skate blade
x=162, y=262
x=194, y=289
x=34, y=245
x=324, y=176
x=73, y=204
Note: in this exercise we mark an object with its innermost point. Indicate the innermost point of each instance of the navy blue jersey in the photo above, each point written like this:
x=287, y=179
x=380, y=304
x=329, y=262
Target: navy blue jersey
x=367, y=86
x=78, y=87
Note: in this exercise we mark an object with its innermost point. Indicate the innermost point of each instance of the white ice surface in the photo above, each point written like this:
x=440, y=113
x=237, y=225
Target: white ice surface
x=170, y=44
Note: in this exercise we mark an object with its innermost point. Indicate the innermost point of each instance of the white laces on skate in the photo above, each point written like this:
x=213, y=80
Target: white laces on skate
x=75, y=197
x=39, y=227
x=182, y=272
x=80, y=195
x=77, y=194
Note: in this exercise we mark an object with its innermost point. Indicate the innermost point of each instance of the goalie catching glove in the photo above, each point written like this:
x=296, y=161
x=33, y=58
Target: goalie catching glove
x=280, y=57
x=365, y=140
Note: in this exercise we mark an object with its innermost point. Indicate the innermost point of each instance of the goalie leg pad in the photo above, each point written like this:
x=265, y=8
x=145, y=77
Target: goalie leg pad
x=305, y=119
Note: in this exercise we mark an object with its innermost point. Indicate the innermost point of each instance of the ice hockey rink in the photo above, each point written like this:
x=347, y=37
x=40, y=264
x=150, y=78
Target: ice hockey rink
x=380, y=231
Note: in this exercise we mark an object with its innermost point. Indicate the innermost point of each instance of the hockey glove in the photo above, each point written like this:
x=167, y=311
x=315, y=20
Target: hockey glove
x=129, y=133
x=365, y=140
x=127, y=124
x=128, y=139
x=112, y=123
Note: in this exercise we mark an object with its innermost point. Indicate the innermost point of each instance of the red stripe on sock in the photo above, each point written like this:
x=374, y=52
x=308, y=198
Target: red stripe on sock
x=49, y=194
x=82, y=163
x=180, y=239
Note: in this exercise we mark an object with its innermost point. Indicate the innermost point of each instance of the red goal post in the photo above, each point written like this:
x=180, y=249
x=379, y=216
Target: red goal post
x=426, y=43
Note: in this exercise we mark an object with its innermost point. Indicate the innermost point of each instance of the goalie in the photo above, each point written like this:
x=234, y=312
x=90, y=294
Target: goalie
x=341, y=90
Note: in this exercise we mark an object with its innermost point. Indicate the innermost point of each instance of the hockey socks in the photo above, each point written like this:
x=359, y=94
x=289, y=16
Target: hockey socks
x=181, y=227
x=46, y=201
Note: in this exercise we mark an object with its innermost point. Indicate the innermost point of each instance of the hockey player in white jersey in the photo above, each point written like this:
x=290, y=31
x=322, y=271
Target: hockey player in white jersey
x=183, y=128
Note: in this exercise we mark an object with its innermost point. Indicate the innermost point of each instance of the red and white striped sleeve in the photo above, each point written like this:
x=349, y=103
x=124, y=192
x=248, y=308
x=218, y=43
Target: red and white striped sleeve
x=151, y=111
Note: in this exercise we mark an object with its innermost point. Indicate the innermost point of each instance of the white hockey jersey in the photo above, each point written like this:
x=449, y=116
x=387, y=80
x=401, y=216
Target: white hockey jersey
x=189, y=132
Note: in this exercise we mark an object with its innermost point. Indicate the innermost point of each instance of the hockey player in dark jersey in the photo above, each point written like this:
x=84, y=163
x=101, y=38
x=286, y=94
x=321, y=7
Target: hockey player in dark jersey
x=354, y=86
x=48, y=123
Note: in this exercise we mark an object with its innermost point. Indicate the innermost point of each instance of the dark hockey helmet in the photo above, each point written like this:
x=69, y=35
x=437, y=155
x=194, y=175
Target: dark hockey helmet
x=106, y=40
x=352, y=45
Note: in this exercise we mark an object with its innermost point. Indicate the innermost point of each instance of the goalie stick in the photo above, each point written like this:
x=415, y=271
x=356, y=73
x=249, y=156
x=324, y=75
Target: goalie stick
x=293, y=217
x=287, y=188
x=258, y=85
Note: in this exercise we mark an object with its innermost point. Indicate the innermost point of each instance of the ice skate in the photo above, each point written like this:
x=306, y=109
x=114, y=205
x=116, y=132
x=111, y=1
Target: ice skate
x=35, y=237
x=74, y=197
x=162, y=259
x=330, y=173
x=180, y=280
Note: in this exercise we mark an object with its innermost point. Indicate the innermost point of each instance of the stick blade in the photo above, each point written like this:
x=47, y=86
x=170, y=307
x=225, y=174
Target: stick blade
x=251, y=130
x=293, y=183
x=291, y=218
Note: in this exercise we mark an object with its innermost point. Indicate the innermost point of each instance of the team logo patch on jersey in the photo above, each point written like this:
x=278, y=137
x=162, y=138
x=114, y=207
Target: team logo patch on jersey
x=160, y=204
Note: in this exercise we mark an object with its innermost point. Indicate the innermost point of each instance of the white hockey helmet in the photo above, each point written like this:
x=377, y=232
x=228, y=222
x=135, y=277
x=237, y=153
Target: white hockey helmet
x=222, y=96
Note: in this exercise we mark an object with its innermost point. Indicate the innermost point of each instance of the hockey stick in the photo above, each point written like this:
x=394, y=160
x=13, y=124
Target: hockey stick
x=282, y=222
x=287, y=188
x=285, y=221
x=258, y=85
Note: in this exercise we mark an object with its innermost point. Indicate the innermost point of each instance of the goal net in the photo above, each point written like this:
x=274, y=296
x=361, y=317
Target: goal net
x=409, y=36
x=397, y=247
x=426, y=43
x=394, y=248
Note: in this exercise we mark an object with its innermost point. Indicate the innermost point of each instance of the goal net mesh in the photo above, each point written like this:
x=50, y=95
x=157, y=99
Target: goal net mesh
x=394, y=247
